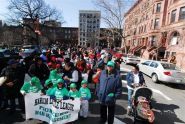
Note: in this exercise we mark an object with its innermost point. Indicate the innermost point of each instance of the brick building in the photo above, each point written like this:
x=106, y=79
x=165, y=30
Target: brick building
x=155, y=29
x=175, y=31
x=143, y=23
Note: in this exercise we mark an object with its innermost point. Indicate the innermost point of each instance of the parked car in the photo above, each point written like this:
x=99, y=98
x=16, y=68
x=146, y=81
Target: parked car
x=27, y=50
x=5, y=53
x=130, y=59
x=162, y=71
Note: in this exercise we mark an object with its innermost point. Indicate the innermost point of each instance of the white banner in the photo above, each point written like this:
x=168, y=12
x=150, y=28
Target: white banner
x=45, y=109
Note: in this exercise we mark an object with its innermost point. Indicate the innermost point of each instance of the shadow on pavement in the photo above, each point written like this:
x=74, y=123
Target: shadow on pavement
x=166, y=113
x=95, y=109
x=9, y=118
x=176, y=86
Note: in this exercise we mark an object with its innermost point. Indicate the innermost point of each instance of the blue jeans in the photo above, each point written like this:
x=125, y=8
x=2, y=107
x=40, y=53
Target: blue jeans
x=130, y=92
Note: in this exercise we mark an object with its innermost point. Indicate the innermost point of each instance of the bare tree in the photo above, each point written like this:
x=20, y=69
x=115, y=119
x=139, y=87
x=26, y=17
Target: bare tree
x=113, y=16
x=33, y=10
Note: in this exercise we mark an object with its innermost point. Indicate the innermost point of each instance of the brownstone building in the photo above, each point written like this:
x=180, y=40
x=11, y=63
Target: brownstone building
x=175, y=30
x=155, y=29
x=143, y=23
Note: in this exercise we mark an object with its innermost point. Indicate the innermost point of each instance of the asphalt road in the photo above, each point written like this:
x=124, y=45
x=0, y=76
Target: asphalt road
x=168, y=104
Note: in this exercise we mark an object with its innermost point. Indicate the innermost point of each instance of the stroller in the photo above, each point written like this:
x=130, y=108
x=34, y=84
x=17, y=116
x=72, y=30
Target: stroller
x=141, y=105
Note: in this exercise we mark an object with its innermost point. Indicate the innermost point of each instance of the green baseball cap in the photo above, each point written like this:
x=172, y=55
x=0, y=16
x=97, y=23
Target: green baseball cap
x=47, y=82
x=73, y=85
x=60, y=81
x=35, y=80
x=83, y=82
x=111, y=63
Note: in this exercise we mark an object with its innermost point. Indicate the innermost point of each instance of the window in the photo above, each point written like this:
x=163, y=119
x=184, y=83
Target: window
x=173, y=15
x=175, y=38
x=158, y=9
x=173, y=54
x=154, y=64
x=156, y=25
x=182, y=13
x=146, y=63
x=167, y=54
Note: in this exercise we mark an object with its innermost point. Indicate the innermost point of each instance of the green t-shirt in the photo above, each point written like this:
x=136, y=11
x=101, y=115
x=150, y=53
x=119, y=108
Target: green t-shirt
x=27, y=87
x=74, y=94
x=85, y=92
x=60, y=93
x=54, y=78
x=50, y=91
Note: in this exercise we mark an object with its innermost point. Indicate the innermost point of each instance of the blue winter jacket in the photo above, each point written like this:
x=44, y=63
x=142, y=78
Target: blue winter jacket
x=130, y=78
x=109, y=84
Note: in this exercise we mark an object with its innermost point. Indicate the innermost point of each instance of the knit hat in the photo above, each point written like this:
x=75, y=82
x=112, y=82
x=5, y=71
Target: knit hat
x=110, y=63
x=83, y=82
x=60, y=81
x=47, y=82
x=73, y=85
x=35, y=80
x=53, y=72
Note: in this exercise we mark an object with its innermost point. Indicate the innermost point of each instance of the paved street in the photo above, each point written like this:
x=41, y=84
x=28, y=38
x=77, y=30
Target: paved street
x=168, y=101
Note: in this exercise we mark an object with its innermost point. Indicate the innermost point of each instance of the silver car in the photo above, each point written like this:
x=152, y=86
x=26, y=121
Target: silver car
x=162, y=71
x=131, y=59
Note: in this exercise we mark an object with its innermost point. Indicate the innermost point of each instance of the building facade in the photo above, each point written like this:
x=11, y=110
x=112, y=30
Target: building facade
x=52, y=23
x=155, y=29
x=143, y=23
x=175, y=31
x=89, y=28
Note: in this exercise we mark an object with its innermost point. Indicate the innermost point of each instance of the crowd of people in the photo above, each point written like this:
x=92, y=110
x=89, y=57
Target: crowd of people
x=66, y=76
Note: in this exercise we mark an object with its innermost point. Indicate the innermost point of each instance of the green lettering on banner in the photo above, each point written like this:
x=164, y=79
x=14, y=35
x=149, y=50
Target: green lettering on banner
x=36, y=112
x=48, y=115
x=64, y=117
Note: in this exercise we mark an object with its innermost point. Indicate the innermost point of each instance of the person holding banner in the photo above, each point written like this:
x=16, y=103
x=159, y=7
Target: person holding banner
x=85, y=97
x=60, y=92
x=73, y=91
x=33, y=86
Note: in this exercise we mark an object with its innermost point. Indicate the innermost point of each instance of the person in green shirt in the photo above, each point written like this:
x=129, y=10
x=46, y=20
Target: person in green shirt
x=60, y=92
x=85, y=97
x=33, y=86
x=73, y=91
x=48, y=88
x=54, y=76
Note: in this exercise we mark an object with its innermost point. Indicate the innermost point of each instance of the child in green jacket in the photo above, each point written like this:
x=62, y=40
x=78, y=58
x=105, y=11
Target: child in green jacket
x=85, y=95
x=73, y=91
x=60, y=92
x=33, y=86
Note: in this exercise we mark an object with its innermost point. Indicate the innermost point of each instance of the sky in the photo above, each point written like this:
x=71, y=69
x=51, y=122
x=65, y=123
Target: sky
x=70, y=9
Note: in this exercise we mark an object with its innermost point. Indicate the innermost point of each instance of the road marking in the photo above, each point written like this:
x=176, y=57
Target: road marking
x=162, y=94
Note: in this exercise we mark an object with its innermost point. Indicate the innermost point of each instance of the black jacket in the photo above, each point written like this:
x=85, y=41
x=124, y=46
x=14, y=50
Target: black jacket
x=42, y=72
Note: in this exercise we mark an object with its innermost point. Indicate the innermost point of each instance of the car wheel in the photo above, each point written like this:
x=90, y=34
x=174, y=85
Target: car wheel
x=155, y=78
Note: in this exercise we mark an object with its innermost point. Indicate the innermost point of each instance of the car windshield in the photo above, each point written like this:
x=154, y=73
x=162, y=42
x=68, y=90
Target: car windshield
x=169, y=66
